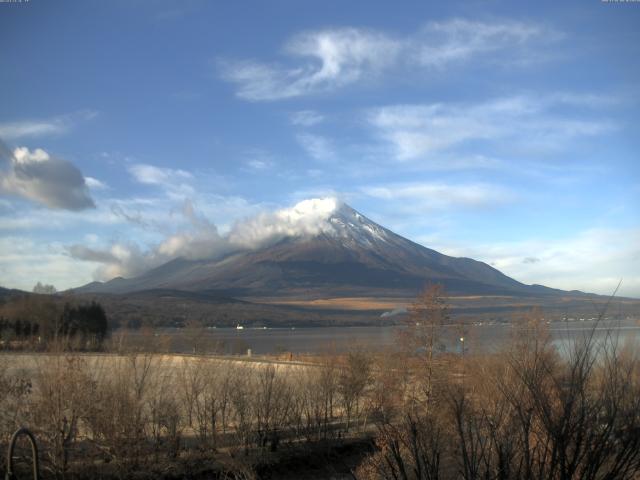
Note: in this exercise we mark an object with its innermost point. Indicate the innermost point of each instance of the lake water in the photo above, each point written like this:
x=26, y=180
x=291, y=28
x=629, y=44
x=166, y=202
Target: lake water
x=340, y=339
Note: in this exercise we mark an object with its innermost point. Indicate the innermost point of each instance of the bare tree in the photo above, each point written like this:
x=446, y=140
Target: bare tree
x=353, y=378
x=524, y=413
x=423, y=335
x=165, y=419
x=321, y=391
x=271, y=405
x=240, y=398
x=62, y=384
x=119, y=418
x=210, y=401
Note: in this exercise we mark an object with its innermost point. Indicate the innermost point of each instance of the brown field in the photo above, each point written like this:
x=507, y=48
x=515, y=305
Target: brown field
x=476, y=304
x=345, y=303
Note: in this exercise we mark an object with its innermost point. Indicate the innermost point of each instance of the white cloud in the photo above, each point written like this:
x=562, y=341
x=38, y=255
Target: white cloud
x=36, y=176
x=257, y=159
x=23, y=156
x=175, y=182
x=33, y=128
x=307, y=217
x=203, y=241
x=417, y=130
x=326, y=60
x=37, y=128
x=338, y=58
x=95, y=184
x=316, y=146
x=152, y=175
x=457, y=40
x=437, y=196
x=306, y=118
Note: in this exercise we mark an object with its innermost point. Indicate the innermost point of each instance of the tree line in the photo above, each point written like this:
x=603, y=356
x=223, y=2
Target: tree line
x=39, y=319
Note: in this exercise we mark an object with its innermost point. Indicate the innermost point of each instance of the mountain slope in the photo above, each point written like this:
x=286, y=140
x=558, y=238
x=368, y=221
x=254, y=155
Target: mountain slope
x=347, y=254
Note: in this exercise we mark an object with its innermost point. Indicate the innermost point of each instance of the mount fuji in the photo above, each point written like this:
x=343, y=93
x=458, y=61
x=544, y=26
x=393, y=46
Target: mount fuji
x=318, y=249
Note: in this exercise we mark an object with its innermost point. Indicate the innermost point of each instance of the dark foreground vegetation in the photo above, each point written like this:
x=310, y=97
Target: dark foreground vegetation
x=524, y=412
x=37, y=321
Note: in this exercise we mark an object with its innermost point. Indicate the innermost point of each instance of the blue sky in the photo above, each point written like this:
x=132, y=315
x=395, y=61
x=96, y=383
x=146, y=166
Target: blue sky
x=135, y=131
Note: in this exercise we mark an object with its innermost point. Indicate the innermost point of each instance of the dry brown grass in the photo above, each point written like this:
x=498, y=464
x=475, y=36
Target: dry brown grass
x=346, y=303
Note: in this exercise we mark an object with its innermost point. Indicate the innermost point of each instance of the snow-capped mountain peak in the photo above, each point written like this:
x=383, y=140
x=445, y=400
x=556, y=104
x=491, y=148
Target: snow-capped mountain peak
x=349, y=225
x=307, y=219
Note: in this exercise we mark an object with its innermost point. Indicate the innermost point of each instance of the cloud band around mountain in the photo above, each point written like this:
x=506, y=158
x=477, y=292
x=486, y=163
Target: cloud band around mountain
x=203, y=241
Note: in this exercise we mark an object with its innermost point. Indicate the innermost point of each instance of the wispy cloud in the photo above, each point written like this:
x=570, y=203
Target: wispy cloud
x=420, y=129
x=258, y=160
x=42, y=127
x=427, y=196
x=176, y=182
x=441, y=44
x=338, y=58
x=153, y=175
x=326, y=60
x=316, y=146
x=306, y=118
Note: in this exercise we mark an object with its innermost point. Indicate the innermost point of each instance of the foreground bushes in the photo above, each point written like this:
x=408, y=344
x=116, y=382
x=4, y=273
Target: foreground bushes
x=115, y=415
x=526, y=412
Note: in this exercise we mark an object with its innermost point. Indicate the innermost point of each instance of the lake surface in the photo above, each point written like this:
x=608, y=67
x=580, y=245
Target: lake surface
x=477, y=338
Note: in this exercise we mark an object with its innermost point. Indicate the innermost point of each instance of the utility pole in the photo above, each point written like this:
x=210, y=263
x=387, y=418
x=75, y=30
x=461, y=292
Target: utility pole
x=462, y=351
